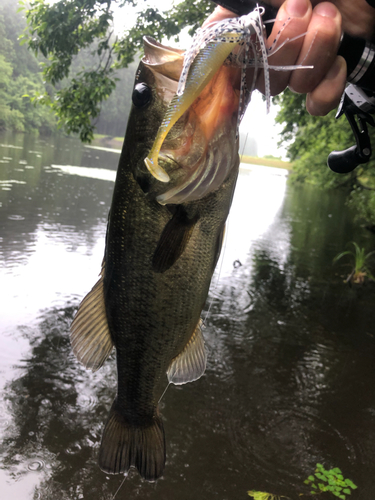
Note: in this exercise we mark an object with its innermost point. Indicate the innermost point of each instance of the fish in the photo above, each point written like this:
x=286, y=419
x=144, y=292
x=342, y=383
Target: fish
x=159, y=259
x=173, y=191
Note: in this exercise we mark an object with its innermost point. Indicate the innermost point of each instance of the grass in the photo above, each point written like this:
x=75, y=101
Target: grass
x=107, y=141
x=360, y=263
x=267, y=162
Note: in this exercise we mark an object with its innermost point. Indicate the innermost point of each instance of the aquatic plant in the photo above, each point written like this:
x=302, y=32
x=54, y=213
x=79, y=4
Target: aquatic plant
x=262, y=495
x=330, y=481
x=322, y=481
x=360, y=266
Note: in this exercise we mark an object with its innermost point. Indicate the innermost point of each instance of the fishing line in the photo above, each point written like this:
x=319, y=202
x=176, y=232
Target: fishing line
x=213, y=289
x=288, y=40
x=165, y=390
x=119, y=488
x=311, y=44
x=223, y=250
x=222, y=254
x=244, y=145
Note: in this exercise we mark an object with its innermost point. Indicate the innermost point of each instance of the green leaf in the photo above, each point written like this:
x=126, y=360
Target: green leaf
x=351, y=484
x=337, y=494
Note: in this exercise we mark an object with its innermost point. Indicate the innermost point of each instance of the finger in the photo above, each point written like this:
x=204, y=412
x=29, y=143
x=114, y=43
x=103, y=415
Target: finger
x=319, y=48
x=326, y=96
x=292, y=20
x=357, y=17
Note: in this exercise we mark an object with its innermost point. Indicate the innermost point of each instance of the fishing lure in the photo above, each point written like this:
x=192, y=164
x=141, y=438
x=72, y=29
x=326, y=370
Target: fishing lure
x=212, y=46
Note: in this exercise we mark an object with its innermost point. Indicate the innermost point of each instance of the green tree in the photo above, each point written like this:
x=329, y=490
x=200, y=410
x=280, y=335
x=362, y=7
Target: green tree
x=19, y=74
x=61, y=30
x=310, y=139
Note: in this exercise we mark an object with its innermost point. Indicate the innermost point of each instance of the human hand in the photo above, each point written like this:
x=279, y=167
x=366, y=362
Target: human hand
x=323, y=25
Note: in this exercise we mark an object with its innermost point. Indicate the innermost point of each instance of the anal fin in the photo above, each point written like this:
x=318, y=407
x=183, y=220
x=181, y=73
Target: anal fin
x=89, y=333
x=190, y=364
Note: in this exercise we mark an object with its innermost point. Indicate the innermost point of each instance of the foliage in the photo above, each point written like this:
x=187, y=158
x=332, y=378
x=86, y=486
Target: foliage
x=159, y=25
x=330, y=481
x=262, y=495
x=61, y=30
x=322, y=481
x=360, y=263
x=363, y=201
x=19, y=75
x=310, y=139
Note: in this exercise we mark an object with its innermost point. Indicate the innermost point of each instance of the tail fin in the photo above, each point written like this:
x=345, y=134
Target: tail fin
x=126, y=445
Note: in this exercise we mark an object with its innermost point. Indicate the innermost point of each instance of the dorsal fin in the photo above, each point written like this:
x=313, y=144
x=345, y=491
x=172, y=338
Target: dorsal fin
x=89, y=333
x=190, y=364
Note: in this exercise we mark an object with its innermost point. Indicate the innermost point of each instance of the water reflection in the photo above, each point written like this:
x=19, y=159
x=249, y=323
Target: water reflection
x=52, y=222
x=54, y=431
x=285, y=320
x=290, y=375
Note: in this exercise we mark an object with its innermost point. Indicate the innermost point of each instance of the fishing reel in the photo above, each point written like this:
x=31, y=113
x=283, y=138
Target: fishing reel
x=358, y=106
x=358, y=100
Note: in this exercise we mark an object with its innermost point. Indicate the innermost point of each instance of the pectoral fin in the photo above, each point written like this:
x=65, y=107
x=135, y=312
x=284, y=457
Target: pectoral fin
x=89, y=333
x=173, y=240
x=190, y=364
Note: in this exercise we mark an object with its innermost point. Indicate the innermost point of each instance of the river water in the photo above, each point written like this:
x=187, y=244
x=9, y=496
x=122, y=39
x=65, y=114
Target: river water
x=290, y=380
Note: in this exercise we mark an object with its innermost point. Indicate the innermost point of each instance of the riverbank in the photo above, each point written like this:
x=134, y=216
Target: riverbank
x=267, y=162
x=116, y=143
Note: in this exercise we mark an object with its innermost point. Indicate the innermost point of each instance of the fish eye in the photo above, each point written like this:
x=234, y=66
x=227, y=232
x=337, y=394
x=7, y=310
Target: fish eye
x=141, y=95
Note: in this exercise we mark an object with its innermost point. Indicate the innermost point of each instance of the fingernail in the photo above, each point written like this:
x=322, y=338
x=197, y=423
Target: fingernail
x=326, y=9
x=297, y=8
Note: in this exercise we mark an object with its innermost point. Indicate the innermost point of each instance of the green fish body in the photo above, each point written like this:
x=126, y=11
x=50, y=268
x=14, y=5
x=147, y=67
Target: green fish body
x=158, y=264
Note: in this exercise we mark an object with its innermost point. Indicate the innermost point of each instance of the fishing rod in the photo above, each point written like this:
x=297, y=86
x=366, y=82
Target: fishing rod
x=358, y=100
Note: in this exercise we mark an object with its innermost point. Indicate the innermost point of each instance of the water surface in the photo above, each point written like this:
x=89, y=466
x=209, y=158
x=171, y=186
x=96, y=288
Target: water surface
x=290, y=377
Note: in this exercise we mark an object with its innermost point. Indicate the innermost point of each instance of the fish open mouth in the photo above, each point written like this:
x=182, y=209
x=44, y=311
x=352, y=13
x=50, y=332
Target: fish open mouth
x=197, y=153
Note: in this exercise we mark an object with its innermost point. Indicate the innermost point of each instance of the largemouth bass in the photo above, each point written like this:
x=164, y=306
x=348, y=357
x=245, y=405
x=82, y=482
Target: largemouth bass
x=159, y=257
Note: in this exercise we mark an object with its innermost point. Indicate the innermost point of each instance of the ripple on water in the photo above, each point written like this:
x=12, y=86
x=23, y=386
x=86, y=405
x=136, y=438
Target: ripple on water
x=74, y=449
x=288, y=442
x=16, y=217
x=36, y=465
x=87, y=401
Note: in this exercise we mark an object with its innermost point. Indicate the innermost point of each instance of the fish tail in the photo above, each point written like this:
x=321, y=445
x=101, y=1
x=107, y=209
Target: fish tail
x=126, y=445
